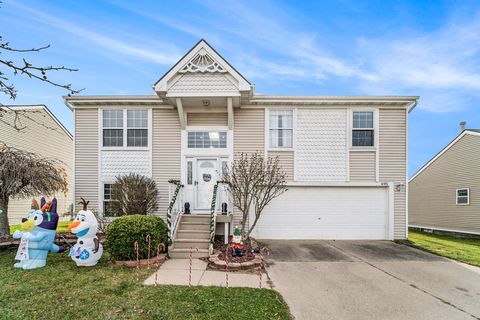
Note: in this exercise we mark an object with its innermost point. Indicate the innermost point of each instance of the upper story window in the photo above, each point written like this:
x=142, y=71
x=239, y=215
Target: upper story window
x=207, y=139
x=463, y=196
x=362, y=129
x=281, y=128
x=125, y=125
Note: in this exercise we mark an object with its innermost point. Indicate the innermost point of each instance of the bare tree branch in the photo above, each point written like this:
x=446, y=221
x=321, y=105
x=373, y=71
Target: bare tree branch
x=254, y=180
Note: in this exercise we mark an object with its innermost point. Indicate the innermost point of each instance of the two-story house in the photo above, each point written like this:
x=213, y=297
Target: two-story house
x=345, y=156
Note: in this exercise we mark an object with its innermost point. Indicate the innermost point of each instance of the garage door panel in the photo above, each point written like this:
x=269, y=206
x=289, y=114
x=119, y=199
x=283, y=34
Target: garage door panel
x=326, y=213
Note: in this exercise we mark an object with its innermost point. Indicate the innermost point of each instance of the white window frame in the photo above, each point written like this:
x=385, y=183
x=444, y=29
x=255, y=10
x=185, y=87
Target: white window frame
x=373, y=128
x=226, y=131
x=103, y=198
x=467, y=196
x=267, y=129
x=125, y=128
x=135, y=128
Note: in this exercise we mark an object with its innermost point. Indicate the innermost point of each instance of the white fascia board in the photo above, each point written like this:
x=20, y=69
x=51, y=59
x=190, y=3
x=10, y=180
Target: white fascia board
x=45, y=108
x=335, y=184
x=460, y=136
x=161, y=85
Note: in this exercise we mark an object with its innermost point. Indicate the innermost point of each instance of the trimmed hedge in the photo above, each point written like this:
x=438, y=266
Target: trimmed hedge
x=124, y=231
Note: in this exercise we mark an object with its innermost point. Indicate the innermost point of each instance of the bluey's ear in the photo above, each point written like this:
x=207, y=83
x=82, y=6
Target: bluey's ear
x=42, y=202
x=53, y=207
x=34, y=204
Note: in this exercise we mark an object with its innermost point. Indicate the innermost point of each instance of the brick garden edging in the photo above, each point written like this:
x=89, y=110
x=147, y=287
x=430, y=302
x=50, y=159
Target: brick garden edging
x=217, y=263
x=143, y=262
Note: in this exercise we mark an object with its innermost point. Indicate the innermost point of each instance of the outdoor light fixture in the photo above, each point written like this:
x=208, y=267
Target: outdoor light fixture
x=399, y=187
x=205, y=103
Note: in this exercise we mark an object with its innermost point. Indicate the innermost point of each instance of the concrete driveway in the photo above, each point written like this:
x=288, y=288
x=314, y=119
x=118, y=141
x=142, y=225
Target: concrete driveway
x=371, y=280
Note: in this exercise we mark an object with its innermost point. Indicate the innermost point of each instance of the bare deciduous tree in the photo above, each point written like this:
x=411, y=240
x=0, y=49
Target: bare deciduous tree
x=254, y=181
x=133, y=194
x=14, y=61
x=24, y=174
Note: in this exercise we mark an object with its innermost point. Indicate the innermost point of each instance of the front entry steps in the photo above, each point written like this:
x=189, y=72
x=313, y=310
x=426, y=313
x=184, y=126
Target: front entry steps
x=193, y=231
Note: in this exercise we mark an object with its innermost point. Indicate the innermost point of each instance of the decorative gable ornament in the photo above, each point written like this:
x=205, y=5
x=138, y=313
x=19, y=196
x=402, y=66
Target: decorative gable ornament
x=202, y=62
x=202, y=72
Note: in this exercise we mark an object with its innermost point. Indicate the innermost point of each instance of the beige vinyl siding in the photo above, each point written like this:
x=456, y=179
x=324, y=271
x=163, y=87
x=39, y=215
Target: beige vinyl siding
x=207, y=119
x=362, y=165
x=286, y=159
x=392, y=160
x=42, y=135
x=166, y=153
x=432, y=193
x=86, y=157
x=248, y=137
x=249, y=130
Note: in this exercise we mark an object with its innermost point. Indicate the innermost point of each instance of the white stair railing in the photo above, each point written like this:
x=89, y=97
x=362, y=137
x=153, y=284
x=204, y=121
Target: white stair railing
x=175, y=207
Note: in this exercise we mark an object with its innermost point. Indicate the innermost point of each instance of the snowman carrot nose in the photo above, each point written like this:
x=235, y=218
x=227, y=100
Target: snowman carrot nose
x=73, y=225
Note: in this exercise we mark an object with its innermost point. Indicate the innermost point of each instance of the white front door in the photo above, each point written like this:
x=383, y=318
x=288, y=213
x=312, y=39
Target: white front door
x=207, y=176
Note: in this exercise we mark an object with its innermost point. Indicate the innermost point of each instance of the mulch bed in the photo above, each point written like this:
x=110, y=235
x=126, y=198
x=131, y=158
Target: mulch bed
x=249, y=250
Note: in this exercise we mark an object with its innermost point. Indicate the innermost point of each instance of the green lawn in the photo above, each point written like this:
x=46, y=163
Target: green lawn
x=62, y=227
x=462, y=249
x=63, y=291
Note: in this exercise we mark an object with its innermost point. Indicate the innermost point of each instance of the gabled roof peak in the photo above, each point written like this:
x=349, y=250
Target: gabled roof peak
x=201, y=59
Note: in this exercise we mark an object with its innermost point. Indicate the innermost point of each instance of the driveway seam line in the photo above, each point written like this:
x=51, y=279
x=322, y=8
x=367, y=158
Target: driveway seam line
x=404, y=281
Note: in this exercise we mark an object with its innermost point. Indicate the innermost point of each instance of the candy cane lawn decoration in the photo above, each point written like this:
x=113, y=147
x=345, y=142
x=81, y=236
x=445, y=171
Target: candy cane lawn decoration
x=160, y=245
x=226, y=267
x=148, y=258
x=135, y=247
x=190, y=270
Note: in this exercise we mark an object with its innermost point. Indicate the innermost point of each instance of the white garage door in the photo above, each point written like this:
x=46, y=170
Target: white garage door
x=348, y=213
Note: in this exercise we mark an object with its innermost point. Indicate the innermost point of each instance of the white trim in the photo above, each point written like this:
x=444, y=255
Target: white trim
x=376, y=142
x=443, y=229
x=206, y=128
x=267, y=130
x=161, y=84
x=460, y=136
x=468, y=197
x=336, y=184
x=391, y=210
x=266, y=139
x=99, y=163
x=348, y=136
x=406, y=175
x=73, y=161
x=41, y=107
x=181, y=113
x=230, y=113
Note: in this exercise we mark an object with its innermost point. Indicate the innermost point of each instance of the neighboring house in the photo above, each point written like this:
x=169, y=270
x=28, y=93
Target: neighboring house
x=345, y=156
x=445, y=193
x=40, y=132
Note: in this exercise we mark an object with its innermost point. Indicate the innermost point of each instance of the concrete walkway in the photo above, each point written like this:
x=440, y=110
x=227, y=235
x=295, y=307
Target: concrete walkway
x=176, y=272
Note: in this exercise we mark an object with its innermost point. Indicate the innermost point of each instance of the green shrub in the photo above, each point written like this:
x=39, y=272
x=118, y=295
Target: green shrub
x=124, y=231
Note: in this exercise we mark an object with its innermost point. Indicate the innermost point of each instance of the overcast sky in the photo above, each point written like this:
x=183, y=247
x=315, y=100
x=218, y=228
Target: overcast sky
x=425, y=48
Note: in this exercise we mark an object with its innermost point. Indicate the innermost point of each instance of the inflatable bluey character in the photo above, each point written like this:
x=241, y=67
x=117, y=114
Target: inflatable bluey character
x=88, y=249
x=37, y=234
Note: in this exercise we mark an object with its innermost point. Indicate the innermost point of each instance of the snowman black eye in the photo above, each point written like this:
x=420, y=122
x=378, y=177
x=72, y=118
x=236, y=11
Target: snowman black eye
x=83, y=219
x=35, y=218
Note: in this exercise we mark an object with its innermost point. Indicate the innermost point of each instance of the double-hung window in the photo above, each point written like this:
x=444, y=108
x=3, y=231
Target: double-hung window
x=137, y=128
x=281, y=128
x=125, y=128
x=113, y=128
x=107, y=197
x=463, y=196
x=362, y=129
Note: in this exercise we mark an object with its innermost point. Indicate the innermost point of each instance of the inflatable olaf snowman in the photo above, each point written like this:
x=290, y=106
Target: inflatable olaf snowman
x=88, y=249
